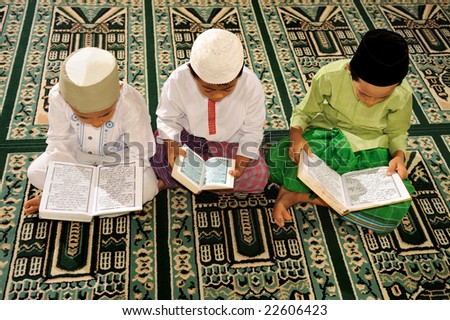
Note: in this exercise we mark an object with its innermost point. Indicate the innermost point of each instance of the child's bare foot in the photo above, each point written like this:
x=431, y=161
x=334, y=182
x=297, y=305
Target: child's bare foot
x=161, y=185
x=281, y=214
x=32, y=205
x=285, y=200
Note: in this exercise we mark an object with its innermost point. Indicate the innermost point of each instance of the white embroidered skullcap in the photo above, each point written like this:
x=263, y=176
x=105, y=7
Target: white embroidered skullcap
x=89, y=80
x=217, y=56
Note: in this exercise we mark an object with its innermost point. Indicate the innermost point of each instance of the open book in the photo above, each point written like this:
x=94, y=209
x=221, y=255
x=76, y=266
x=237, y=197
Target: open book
x=352, y=191
x=197, y=174
x=77, y=192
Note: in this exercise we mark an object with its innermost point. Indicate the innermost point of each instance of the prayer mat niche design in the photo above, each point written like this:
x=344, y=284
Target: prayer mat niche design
x=110, y=258
x=184, y=246
x=58, y=29
x=309, y=36
x=224, y=248
x=412, y=262
x=11, y=23
x=178, y=23
x=218, y=247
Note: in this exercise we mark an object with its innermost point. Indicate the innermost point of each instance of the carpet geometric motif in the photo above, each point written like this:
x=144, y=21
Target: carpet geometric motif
x=308, y=37
x=446, y=139
x=207, y=246
x=426, y=28
x=110, y=258
x=226, y=248
x=180, y=22
x=11, y=23
x=412, y=262
x=59, y=30
x=231, y=249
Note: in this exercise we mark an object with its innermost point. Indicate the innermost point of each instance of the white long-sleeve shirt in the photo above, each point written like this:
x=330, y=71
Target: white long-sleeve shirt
x=127, y=136
x=239, y=117
x=129, y=126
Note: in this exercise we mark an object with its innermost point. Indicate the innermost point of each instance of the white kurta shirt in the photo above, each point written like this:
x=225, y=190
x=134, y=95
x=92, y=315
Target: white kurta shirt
x=126, y=136
x=239, y=117
x=130, y=126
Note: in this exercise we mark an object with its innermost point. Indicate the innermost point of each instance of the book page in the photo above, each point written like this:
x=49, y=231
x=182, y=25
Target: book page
x=216, y=171
x=370, y=186
x=116, y=187
x=69, y=189
x=327, y=177
x=193, y=167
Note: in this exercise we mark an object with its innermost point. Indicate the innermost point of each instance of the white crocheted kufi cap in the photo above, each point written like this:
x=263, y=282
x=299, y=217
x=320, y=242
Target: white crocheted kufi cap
x=217, y=56
x=89, y=80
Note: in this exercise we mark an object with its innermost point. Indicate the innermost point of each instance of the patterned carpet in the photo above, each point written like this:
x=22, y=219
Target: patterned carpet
x=183, y=246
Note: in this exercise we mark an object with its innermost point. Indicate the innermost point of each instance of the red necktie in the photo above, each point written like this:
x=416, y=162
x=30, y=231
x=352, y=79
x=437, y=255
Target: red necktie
x=211, y=117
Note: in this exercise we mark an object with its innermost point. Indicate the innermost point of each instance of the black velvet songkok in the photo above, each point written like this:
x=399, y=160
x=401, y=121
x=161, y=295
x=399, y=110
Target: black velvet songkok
x=381, y=58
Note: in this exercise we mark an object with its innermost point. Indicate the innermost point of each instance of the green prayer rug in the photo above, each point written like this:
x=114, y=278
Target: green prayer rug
x=208, y=246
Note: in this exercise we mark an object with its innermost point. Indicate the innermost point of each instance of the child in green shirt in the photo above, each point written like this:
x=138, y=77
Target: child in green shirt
x=356, y=115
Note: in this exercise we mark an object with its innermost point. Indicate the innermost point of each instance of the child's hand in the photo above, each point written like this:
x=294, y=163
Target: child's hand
x=32, y=205
x=182, y=152
x=296, y=148
x=241, y=164
x=397, y=164
x=236, y=173
x=298, y=143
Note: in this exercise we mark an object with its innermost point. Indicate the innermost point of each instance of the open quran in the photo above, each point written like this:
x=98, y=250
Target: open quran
x=197, y=174
x=78, y=192
x=352, y=191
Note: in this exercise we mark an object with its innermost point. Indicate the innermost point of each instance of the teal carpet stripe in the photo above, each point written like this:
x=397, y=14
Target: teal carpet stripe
x=274, y=65
x=163, y=262
x=362, y=11
x=209, y=246
x=152, y=66
x=16, y=72
x=336, y=255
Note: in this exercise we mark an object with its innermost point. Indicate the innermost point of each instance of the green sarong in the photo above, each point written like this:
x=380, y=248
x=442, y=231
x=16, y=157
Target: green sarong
x=332, y=147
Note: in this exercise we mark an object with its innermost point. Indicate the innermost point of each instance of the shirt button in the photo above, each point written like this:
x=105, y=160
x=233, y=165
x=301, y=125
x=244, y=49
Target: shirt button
x=90, y=152
x=90, y=138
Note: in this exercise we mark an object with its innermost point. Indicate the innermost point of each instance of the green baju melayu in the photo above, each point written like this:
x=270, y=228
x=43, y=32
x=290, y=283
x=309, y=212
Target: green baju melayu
x=348, y=135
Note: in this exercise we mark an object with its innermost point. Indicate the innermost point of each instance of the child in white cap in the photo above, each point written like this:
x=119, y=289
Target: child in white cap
x=216, y=106
x=356, y=115
x=95, y=118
